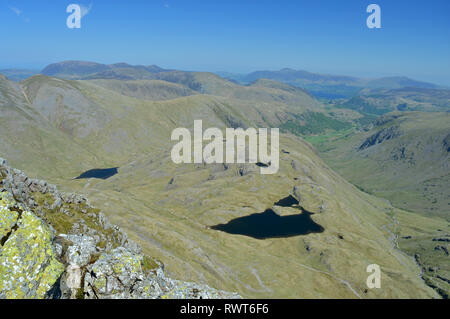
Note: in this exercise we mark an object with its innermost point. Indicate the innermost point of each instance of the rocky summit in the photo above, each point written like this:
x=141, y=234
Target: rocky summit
x=56, y=245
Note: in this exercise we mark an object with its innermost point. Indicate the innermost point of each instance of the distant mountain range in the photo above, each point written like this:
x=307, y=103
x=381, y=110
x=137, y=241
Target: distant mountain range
x=328, y=86
x=18, y=74
x=320, y=85
x=91, y=70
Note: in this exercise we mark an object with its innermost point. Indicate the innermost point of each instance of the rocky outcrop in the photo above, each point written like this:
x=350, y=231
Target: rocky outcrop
x=56, y=245
x=446, y=143
x=120, y=274
x=28, y=263
x=381, y=136
x=442, y=248
x=442, y=239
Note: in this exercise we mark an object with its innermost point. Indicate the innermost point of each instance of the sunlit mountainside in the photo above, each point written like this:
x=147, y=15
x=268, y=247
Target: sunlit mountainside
x=79, y=116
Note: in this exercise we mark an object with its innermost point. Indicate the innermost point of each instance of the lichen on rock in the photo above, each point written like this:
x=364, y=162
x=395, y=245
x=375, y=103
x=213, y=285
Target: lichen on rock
x=8, y=218
x=28, y=263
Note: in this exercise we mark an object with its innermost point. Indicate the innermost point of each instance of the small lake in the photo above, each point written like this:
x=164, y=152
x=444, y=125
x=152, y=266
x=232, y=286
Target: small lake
x=287, y=202
x=271, y=225
x=101, y=173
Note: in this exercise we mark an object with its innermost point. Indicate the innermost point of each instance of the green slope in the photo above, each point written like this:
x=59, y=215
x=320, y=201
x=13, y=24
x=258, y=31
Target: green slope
x=167, y=208
x=404, y=158
x=402, y=99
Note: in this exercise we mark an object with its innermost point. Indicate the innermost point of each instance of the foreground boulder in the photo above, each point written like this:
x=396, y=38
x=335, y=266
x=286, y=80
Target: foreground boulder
x=28, y=263
x=120, y=274
x=55, y=245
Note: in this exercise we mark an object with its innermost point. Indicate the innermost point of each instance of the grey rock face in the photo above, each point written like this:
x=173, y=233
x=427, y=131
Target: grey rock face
x=296, y=193
x=29, y=266
x=381, y=136
x=56, y=204
x=119, y=274
x=79, y=254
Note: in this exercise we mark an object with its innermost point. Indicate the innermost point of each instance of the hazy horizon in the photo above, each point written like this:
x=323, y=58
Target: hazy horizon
x=362, y=75
x=239, y=37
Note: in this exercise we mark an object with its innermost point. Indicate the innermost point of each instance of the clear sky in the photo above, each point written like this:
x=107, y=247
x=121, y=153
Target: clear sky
x=326, y=36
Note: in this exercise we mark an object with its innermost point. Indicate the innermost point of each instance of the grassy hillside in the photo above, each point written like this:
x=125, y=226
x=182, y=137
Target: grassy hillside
x=154, y=90
x=404, y=158
x=401, y=99
x=169, y=208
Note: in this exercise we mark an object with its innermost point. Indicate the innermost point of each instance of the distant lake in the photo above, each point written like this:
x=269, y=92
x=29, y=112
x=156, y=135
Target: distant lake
x=271, y=225
x=101, y=173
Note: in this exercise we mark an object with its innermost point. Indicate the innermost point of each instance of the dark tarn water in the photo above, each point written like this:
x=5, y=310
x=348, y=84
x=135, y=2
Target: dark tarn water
x=271, y=225
x=99, y=173
x=287, y=201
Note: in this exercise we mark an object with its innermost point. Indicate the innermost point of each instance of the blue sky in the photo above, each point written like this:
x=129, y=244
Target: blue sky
x=326, y=36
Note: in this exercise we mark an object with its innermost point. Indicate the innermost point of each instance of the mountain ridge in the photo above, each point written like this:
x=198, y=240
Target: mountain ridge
x=326, y=85
x=86, y=69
